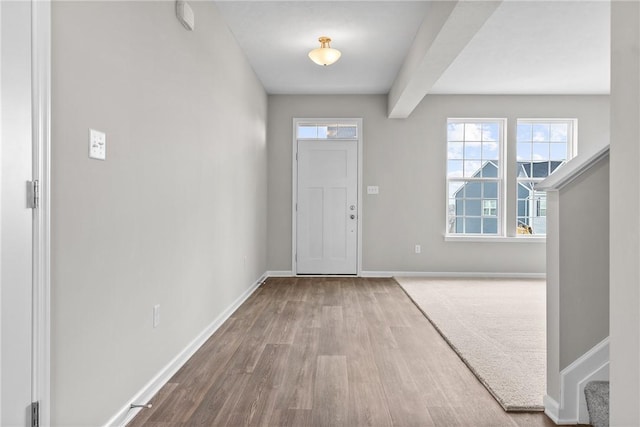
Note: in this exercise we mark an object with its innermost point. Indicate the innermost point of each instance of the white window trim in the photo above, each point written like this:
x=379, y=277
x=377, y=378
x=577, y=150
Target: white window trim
x=467, y=238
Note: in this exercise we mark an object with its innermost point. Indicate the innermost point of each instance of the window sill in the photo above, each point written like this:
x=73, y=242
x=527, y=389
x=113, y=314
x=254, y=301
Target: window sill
x=494, y=239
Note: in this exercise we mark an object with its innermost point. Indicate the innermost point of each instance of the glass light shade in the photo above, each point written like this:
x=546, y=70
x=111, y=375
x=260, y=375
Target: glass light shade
x=324, y=55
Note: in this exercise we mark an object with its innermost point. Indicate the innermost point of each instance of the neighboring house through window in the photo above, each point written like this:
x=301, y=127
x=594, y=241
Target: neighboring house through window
x=542, y=147
x=474, y=176
x=475, y=173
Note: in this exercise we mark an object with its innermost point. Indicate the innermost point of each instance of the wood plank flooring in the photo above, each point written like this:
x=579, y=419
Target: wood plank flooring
x=328, y=352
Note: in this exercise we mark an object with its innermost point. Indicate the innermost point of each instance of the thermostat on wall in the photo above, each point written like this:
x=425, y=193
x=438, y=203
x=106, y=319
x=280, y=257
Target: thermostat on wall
x=185, y=15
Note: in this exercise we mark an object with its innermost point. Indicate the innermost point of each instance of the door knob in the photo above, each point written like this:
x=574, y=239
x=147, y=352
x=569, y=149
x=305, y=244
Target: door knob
x=352, y=207
x=352, y=216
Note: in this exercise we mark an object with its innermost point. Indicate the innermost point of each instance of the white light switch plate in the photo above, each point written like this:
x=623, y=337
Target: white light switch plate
x=373, y=189
x=156, y=315
x=97, y=145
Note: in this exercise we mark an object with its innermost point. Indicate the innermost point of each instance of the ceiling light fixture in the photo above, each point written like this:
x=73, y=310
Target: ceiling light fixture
x=325, y=54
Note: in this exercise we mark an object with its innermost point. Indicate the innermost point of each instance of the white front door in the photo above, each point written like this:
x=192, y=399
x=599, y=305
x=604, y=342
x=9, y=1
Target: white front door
x=327, y=212
x=16, y=253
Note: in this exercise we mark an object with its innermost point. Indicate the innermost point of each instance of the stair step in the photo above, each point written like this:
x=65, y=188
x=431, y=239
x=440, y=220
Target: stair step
x=597, y=396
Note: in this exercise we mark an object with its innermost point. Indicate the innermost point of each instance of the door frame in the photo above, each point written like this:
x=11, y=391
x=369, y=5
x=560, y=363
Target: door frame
x=294, y=185
x=40, y=135
x=41, y=131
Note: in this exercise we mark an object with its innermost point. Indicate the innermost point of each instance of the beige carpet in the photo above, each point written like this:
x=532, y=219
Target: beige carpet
x=497, y=327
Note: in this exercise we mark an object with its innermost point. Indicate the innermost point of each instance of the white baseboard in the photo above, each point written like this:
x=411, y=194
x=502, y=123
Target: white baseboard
x=126, y=414
x=452, y=274
x=551, y=409
x=591, y=366
x=376, y=274
x=286, y=273
x=283, y=273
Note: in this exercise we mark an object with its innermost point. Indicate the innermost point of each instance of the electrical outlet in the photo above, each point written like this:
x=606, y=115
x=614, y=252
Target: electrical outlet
x=156, y=315
x=373, y=189
x=418, y=249
x=97, y=145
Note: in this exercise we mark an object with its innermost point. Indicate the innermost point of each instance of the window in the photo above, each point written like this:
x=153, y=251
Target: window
x=327, y=131
x=542, y=147
x=489, y=208
x=474, y=176
x=542, y=207
x=476, y=188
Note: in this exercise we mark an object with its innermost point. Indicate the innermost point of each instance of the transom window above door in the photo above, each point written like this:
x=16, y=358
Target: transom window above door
x=327, y=131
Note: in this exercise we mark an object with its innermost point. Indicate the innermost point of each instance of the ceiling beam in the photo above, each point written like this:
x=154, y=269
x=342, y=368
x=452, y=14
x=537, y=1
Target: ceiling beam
x=447, y=29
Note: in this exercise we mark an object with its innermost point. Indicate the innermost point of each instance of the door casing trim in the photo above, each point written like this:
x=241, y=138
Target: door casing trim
x=41, y=131
x=294, y=184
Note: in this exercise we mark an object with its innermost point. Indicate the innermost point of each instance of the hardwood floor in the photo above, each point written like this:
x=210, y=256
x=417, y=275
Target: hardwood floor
x=328, y=352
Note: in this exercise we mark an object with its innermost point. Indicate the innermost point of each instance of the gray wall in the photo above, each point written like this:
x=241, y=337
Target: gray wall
x=625, y=212
x=584, y=263
x=174, y=216
x=406, y=159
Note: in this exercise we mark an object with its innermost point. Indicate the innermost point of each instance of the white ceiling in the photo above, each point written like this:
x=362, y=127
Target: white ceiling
x=373, y=37
x=525, y=47
x=558, y=47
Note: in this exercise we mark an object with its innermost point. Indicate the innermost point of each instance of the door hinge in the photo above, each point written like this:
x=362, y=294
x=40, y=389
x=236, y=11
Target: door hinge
x=35, y=414
x=33, y=194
